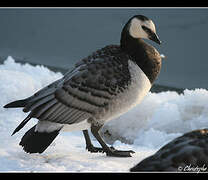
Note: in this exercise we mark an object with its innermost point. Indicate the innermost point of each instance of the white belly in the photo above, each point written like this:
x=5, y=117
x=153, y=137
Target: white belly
x=77, y=127
x=133, y=95
x=47, y=126
x=139, y=87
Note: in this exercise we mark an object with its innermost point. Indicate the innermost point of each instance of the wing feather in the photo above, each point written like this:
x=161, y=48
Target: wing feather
x=51, y=111
x=88, y=88
x=78, y=118
x=68, y=117
x=58, y=113
x=35, y=104
x=37, y=112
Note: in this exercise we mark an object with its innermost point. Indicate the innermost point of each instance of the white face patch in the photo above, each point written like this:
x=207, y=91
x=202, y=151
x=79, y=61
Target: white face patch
x=135, y=28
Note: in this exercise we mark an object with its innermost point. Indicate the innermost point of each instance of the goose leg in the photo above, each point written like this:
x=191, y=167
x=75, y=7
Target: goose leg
x=110, y=151
x=89, y=145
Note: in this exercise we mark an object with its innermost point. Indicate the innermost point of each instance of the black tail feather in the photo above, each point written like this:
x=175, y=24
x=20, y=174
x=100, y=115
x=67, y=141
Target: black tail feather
x=22, y=124
x=37, y=142
x=16, y=104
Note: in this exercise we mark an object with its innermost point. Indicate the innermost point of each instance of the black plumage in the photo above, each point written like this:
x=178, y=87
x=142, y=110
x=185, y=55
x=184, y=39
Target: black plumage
x=37, y=142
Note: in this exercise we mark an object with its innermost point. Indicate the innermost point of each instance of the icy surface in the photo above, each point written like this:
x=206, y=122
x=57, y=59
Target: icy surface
x=160, y=118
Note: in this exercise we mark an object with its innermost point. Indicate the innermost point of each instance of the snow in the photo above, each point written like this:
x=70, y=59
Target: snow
x=160, y=118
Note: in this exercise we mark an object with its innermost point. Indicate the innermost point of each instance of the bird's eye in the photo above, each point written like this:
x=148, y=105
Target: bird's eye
x=146, y=29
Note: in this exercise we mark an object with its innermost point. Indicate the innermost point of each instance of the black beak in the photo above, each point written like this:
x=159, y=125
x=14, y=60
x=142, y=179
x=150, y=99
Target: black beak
x=154, y=37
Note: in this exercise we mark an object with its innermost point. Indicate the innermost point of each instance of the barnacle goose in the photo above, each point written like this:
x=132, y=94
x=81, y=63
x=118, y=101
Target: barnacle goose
x=101, y=87
x=187, y=153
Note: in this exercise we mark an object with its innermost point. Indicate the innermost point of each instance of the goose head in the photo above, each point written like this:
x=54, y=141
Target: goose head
x=140, y=26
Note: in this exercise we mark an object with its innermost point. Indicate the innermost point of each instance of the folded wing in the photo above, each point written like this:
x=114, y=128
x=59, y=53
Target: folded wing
x=82, y=92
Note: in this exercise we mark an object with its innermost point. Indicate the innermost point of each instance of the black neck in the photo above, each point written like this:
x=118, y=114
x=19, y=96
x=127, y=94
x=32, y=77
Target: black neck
x=134, y=47
x=141, y=53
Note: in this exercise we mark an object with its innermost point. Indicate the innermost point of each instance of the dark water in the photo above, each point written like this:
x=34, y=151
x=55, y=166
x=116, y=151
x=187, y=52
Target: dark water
x=60, y=37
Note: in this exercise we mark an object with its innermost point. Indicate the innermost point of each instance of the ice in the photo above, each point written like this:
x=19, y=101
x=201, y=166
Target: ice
x=160, y=118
